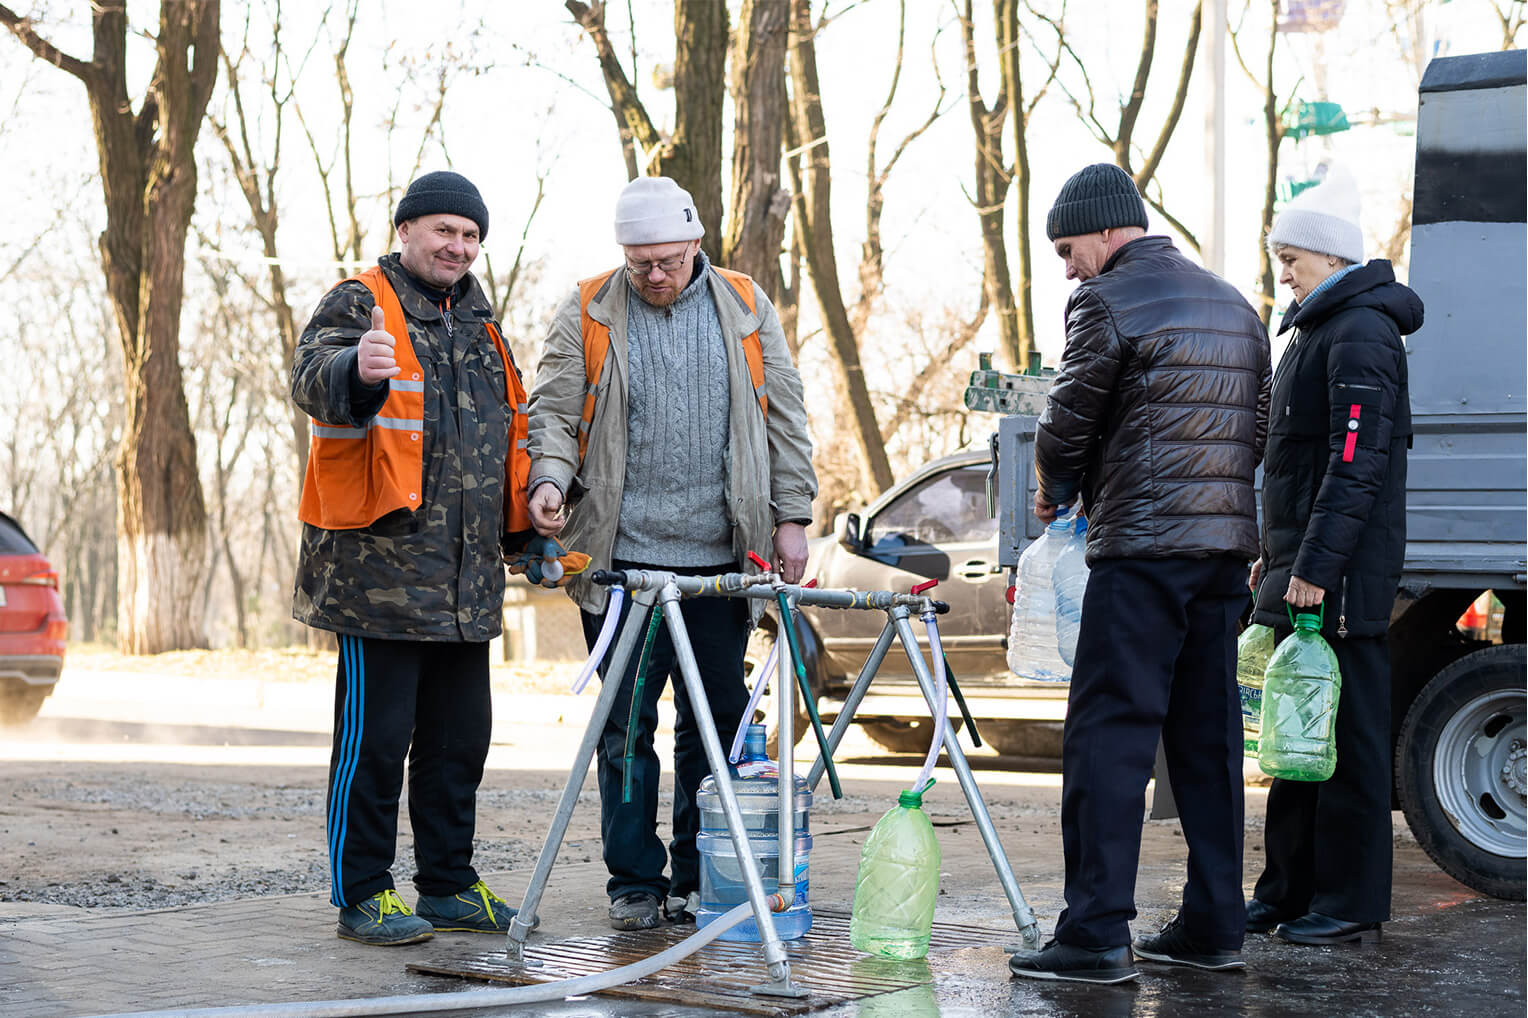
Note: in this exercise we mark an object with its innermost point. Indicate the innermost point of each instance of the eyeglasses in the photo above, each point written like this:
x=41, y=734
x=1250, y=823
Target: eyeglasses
x=667, y=266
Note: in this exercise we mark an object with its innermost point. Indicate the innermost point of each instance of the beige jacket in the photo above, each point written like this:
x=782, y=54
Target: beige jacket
x=770, y=476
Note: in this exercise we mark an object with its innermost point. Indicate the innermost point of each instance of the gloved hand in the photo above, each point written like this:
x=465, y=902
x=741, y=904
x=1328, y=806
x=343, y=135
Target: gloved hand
x=544, y=562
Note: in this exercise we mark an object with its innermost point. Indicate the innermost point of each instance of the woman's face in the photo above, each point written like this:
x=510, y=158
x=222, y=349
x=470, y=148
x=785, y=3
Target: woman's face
x=1302, y=271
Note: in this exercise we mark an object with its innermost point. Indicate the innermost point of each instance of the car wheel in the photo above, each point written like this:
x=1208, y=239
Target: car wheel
x=1023, y=738
x=760, y=641
x=903, y=735
x=1460, y=767
x=20, y=703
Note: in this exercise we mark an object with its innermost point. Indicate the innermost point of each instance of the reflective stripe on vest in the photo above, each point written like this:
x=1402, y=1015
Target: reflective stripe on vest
x=596, y=336
x=356, y=476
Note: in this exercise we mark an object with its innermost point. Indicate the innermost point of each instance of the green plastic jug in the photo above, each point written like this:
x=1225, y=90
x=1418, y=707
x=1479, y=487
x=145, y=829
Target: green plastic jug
x=1253, y=648
x=1300, y=690
x=898, y=883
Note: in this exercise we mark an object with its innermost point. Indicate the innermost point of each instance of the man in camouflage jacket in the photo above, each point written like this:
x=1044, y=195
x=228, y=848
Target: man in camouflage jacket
x=416, y=594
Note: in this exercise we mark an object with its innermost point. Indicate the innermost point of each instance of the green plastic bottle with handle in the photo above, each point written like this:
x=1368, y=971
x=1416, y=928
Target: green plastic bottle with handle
x=1298, y=741
x=898, y=883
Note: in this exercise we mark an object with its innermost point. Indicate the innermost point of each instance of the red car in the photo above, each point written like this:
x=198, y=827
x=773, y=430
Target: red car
x=32, y=625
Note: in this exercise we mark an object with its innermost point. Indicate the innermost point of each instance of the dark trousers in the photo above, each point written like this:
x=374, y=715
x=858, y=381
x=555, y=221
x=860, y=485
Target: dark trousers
x=430, y=702
x=1156, y=658
x=1329, y=842
x=634, y=855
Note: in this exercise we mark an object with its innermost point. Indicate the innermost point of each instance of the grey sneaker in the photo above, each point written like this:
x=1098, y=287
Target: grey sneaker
x=634, y=910
x=682, y=910
x=384, y=920
x=474, y=910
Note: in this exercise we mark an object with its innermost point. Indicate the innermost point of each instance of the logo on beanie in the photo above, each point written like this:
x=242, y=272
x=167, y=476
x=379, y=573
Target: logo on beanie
x=687, y=217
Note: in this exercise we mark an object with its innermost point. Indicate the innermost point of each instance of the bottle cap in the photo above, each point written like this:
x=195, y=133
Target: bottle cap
x=910, y=800
x=1308, y=623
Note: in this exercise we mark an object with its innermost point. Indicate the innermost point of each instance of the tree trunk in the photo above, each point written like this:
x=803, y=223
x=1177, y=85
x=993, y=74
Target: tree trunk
x=756, y=220
x=1006, y=17
x=148, y=174
x=694, y=157
x=814, y=230
x=1273, y=134
x=992, y=180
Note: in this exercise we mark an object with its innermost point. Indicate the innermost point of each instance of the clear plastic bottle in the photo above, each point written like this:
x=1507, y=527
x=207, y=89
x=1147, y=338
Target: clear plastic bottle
x=1300, y=690
x=756, y=784
x=1253, y=649
x=1070, y=581
x=1032, y=651
x=898, y=883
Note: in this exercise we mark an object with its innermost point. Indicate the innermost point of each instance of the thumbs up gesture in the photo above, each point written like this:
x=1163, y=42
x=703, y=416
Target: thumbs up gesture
x=374, y=355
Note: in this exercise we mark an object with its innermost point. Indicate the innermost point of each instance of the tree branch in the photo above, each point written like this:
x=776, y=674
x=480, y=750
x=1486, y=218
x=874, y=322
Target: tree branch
x=24, y=30
x=1185, y=73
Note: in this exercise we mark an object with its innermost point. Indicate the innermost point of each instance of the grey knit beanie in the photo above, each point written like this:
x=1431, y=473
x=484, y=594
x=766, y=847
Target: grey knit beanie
x=655, y=210
x=1323, y=219
x=443, y=192
x=1097, y=197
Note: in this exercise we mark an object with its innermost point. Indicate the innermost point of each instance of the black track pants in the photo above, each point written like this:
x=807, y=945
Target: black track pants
x=428, y=702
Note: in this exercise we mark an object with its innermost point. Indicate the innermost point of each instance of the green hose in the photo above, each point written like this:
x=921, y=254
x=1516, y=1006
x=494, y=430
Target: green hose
x=633, y=716
x=787, y=623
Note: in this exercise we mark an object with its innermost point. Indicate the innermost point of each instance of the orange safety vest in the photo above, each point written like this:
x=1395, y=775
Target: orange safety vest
x=356, y=476
x=597, y=346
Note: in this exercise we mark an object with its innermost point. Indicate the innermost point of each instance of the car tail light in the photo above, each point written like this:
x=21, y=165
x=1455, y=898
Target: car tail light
x=56, y=629
x=48, y=578
x=1011, y=593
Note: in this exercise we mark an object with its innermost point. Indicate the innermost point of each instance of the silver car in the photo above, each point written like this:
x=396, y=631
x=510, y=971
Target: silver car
x=935, y=524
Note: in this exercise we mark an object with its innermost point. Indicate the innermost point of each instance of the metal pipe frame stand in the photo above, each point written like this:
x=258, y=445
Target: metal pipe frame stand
x=900, y=628
x=667, y=601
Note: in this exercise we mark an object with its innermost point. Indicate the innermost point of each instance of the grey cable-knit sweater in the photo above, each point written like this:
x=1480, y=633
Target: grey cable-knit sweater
x=674, y=505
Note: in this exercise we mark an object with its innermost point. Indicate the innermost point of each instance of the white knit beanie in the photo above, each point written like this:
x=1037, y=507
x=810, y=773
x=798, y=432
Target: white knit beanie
x=1323, y=219
x=655, y=210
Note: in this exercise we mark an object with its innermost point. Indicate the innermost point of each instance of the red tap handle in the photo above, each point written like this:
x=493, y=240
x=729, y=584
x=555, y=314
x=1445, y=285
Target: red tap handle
x=753, y=557
x=925, y=585
x=809, y=584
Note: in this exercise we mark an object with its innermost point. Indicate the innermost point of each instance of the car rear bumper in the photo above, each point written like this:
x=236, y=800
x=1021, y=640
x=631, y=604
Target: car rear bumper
x=32, y=669
x=1026, y=703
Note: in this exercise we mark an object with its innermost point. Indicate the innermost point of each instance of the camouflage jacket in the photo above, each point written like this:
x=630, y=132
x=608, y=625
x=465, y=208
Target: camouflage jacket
x=437, y=572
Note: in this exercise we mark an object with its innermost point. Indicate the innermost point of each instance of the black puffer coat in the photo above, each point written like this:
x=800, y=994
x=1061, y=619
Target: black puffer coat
x=1334, y=480
x=1160, y=409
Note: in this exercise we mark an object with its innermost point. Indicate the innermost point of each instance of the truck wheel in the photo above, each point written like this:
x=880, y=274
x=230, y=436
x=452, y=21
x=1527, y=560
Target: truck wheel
x=1460, y=766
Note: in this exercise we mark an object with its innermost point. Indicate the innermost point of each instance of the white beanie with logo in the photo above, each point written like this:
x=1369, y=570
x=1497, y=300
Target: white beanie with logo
x=655, y=210
x=1323, y=219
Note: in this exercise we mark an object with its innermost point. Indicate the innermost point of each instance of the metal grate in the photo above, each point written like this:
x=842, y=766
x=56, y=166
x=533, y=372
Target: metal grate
x=720, y=974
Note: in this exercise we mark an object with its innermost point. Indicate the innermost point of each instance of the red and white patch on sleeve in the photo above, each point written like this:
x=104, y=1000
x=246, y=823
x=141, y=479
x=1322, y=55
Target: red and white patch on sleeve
x=1352, y=443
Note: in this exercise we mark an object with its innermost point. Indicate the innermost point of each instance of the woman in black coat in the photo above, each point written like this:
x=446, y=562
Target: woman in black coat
x=1334, y=535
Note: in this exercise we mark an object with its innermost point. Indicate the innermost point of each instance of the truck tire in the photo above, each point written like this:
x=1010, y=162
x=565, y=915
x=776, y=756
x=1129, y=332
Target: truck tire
x=1460, y=770
x=903, y=735
x=760, y=642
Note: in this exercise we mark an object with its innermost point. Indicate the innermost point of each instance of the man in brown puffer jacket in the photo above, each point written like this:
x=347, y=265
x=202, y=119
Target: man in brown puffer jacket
x=1156, y=422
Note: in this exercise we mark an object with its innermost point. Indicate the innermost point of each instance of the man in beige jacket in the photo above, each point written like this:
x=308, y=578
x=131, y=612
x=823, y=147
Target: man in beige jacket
x=688, y=462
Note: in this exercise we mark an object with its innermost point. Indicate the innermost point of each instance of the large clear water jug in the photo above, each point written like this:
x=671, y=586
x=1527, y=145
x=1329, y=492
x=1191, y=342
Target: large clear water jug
x=898, y=883
x=1298, y=741
x=1032, y=645
x=1253, y=648
x=1070, y=581
x=756, y=782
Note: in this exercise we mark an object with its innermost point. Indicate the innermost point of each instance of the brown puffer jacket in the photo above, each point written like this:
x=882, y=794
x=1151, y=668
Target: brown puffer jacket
x=1160, y=411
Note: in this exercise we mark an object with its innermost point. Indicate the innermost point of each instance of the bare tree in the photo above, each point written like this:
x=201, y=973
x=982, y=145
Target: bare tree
x=1273, y=134
x=148, y=176
x=814, y=234
x=1121, y=138
x=693, y=154
x=1512, y=14
x=756, y=222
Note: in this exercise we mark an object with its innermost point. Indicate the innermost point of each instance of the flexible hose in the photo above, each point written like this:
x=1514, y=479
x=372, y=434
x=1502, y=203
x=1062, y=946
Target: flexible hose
x=941, y=696
x=759, y=684
x=425, y=1003
x=602, y=642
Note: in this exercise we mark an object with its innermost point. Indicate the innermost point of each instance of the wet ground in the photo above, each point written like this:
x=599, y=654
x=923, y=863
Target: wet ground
x=189, y=798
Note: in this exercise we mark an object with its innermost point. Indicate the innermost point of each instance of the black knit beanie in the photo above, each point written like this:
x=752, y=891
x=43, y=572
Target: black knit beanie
x=443, y=192
x=1097, y=197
